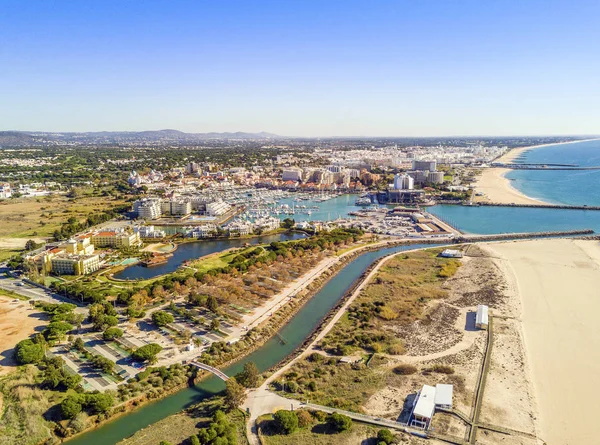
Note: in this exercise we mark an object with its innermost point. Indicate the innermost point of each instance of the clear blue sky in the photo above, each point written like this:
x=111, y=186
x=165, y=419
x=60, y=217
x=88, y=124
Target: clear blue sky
x=305, y=68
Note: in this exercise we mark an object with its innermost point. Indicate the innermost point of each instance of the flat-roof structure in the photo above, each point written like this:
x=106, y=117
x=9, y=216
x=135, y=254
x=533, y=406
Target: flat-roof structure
x=424, y=408
x=428, y=399
x=443, y=396
x=481, y=318
x=450, y=253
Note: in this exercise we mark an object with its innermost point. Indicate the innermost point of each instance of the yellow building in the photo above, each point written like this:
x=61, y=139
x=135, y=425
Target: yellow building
x=115, y=239
x=75, y=264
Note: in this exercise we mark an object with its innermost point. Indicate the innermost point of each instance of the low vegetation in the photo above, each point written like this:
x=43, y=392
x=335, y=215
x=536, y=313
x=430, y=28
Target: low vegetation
x=399, y=294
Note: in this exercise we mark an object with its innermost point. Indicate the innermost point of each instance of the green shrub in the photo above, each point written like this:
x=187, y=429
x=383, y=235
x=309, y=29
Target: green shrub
x=339, y=422
x=286, y=422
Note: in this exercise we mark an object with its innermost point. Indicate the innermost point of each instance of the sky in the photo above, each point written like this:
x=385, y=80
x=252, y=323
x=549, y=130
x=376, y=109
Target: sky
x=302, y=67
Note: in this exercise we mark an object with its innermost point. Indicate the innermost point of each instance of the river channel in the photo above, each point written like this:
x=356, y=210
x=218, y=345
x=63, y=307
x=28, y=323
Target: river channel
x=271, y=353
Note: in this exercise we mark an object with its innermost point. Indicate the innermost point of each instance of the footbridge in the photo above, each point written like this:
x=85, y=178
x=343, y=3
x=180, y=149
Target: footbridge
x=208, y=368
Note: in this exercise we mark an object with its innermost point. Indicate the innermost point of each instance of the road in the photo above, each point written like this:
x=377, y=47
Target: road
x=35, y=293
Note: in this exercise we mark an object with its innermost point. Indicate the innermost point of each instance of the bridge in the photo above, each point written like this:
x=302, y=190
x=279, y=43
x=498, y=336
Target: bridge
x=208, y=368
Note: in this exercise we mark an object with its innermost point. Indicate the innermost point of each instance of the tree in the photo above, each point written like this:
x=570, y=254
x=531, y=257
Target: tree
x=249, y=377
x=385, y=436
x=112, y=333
x=162, y=318
x=194, y=440
x=214, y=324
x=147, y=352
x=339, y=422
x=235, y=394
x=288, y=223
x=212, y=304
x=71, y=406
x=103, y=363
x=286, y=422
x=27, y=351
x=30, y=245
x=99, y=403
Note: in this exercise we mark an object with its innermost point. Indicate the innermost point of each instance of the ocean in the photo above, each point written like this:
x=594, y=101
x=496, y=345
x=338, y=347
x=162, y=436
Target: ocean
x=556, y=187
x=577, y=187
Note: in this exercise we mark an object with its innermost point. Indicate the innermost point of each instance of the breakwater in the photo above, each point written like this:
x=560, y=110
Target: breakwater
x=515, y=236
x=538, y=206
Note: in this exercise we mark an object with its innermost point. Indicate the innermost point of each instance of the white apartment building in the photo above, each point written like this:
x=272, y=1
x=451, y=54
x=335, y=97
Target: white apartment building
x=203, y=231
x=238, y=228
x=148, y=208
x=5, y=190
x=292, y=174
x=149, y=232
x=217, y=208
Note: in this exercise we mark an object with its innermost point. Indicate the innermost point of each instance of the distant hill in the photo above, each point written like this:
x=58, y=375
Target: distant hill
x=35, y=138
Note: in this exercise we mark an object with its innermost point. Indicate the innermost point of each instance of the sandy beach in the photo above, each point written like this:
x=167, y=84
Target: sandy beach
x=497, y=188
x=557, y=281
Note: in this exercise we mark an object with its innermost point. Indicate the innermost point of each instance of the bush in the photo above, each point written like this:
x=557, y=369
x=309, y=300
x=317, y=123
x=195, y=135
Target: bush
x=286, y=422
x=385, y=436
x=397, y=349
x=339, y=422
x=305, y=419
x=405, y=369
x=441, y=369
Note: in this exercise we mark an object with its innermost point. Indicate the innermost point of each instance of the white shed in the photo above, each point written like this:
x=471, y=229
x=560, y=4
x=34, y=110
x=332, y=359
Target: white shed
x=443, y=396
x=450, y=253
x=481, y=319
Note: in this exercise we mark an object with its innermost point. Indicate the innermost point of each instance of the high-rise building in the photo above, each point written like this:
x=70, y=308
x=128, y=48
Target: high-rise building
x=292, y=174
x=425, y=165
x=435, y=177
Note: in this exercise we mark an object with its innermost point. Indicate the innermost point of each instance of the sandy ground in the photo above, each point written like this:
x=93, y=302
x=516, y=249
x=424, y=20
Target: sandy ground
x=18, y=243
x=558, y=281
x=497, y=188
x=17, y=322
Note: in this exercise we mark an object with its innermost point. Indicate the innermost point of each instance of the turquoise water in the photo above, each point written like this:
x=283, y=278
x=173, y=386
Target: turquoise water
x=558, y=187
x=561, y=186
x=489, y=220
x=294, y=332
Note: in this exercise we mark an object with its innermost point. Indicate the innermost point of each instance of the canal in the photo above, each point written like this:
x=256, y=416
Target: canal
x=197, y=249
x=271, y=353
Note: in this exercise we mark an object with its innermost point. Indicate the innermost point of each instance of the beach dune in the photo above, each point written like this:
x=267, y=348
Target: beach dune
x=558, y=282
